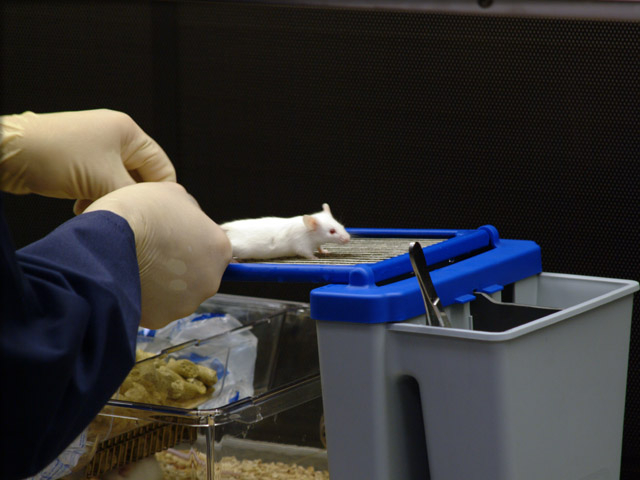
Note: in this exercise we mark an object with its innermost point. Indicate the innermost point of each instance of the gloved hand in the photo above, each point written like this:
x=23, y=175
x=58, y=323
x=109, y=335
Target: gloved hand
x=77, y=155
x=182, y=253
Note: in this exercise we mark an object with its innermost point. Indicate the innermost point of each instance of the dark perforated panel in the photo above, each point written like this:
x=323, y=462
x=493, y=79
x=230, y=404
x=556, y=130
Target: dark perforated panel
x=397, y=119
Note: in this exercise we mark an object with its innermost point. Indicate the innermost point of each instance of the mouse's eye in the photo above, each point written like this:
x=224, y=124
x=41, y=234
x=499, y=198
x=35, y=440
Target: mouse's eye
x=332, y=231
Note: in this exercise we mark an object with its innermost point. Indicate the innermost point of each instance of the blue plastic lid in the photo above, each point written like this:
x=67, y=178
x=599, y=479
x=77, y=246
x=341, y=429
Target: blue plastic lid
x=384, y=270
x=355, y=293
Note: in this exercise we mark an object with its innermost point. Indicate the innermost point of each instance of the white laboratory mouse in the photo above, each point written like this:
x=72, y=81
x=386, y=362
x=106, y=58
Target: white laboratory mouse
x=274, y=237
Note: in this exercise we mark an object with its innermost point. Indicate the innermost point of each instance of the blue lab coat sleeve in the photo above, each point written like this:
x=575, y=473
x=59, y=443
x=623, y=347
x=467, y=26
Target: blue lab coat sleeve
x=69, y=314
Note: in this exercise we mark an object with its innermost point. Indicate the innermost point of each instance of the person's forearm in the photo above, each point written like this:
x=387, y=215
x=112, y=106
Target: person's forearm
x=70, y=307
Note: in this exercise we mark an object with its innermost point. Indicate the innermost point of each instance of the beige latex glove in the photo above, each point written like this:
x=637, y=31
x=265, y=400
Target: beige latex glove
x=77, y=155
x=182, y=253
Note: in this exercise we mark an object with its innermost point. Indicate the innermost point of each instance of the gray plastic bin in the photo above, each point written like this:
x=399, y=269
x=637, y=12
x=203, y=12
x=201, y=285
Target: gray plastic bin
x=541, y=401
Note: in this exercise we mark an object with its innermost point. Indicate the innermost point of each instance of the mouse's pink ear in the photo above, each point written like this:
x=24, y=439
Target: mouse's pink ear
x=310, y=222
x=325, y=207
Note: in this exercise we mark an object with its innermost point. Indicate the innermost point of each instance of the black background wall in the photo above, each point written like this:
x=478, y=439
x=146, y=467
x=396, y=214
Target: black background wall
x=412, y=119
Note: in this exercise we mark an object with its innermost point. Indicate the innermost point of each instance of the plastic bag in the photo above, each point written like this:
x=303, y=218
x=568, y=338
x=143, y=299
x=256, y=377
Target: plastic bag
x=221, y=347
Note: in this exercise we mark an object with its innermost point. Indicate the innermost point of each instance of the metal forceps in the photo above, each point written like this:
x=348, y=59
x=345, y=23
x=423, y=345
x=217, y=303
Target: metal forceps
x=435, y=316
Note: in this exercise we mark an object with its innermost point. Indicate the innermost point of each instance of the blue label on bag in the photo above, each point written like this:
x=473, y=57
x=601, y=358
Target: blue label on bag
x=205, y=316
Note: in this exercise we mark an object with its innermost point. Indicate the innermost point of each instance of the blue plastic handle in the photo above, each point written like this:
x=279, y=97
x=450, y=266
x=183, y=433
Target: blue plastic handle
x=362, y=301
